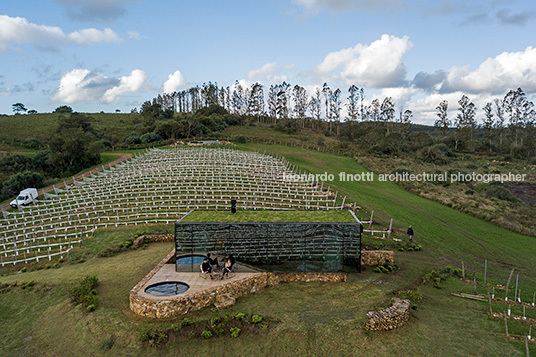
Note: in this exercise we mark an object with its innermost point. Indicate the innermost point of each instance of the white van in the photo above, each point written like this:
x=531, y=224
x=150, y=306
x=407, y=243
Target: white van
x=25, y=197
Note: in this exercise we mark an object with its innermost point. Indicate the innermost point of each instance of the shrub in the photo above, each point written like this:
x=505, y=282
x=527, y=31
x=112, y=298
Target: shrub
x=30, y=283
x=235, y=331
x=85, y=292
x=91, y=308
x=240, y=316
x=186, y=322
x=23, y=269
x=48, y=266
x=150, y=138
x=219, y=329
x=239, y=139
x=206, y=334
x=256, y=319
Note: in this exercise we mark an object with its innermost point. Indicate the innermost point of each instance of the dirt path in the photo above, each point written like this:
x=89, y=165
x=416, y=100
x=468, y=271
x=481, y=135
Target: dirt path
x=120, y=158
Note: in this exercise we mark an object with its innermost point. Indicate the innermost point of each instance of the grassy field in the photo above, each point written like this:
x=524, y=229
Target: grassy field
x=17, y=126
x=313, y=318
x=270, y=216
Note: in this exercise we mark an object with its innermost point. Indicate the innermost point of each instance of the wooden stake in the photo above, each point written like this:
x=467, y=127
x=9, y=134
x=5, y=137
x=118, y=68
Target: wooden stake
x=474, y=281
x=485, y=270
x=517, y=281
x=505, y=323
x=527, y=346
x=508, y=284
x=463, y=270
x=371, y=216
x=489, y=302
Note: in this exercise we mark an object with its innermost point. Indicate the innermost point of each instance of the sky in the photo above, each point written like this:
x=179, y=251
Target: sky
x=104, y=55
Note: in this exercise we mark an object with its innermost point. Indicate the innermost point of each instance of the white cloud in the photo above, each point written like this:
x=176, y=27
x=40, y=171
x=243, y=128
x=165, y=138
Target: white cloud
x=134, y=35
x=269, y=73
x=377, y=65
x=495, y=75
x=89, y=36
x=82, y=85
x=17, y=30
x=136, y=81
x=176, y=81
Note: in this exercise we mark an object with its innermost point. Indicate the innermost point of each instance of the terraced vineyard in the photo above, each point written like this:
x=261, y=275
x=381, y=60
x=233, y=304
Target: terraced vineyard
x=158, y=186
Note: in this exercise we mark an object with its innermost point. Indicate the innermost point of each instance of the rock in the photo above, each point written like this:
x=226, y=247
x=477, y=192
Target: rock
x=224, y=300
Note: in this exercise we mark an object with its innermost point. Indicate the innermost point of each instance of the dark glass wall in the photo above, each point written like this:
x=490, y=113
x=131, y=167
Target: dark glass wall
x=286, y=247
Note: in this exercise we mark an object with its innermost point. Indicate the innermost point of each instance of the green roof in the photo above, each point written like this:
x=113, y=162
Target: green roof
x=334, y=216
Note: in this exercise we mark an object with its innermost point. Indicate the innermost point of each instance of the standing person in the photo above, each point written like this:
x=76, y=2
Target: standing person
x=410, y=233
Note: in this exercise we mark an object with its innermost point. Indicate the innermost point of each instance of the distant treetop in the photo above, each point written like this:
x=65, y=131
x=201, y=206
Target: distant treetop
x=63, y=109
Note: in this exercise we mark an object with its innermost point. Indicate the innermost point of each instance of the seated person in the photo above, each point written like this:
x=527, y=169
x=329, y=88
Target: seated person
x=206, y=268
x=232, y=260
x=213, y=262
x=227, y=268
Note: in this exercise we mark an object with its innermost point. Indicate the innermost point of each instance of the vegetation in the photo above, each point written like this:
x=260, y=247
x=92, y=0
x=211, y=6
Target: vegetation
x=270, y=216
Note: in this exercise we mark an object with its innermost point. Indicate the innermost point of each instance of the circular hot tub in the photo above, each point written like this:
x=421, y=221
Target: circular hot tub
x=167, y=288
x=190, y=259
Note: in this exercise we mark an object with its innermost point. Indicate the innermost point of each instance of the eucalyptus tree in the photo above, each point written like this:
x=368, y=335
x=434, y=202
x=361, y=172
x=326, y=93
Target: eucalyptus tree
x=499, y=122
x=315, y=105
x=282, y=107
x=387, y=112
x=327, y=95
x=256, y=100
x=442, y=113
x=465, y=119
x=488, y=122
x=299, y=95
x=237, y=101
x=272, y=102
x=353, y=102
x=335, y=107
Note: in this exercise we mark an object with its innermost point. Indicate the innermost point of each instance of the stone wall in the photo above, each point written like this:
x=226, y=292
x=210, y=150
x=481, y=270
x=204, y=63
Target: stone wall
x=180, y=305
x=376, y=257
x=153, y=238
x=390, y=318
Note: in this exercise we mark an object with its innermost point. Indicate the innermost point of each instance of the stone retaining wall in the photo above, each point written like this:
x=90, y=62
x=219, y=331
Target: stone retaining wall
x=390, y=318
x=180, y=305
x=150, y=238
x=376, y=257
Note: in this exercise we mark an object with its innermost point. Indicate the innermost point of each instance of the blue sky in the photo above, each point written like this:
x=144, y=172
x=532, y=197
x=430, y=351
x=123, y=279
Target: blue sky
x=115, y=54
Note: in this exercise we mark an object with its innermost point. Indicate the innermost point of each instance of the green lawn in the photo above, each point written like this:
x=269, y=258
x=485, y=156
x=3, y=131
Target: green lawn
x=314, y=318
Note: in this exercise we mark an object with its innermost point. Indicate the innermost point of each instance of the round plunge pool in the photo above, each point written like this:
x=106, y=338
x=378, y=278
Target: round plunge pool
x=168, y=288
x=190, y=259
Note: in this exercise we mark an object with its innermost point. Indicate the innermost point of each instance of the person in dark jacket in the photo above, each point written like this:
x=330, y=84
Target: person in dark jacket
x=206, y=268
x=213, y=262
x=410, y=233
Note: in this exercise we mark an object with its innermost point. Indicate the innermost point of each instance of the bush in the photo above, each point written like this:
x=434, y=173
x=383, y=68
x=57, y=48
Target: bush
x=91, y=308
x=85, y=292
x=20, y=181
x=433, y=154
x=256, y=319
x=23, y=269
x=496, y=190
x=30, y=283
x=186, y=322
x=132, y=139
x=150, y=138
x=235, y=331
x=239, y=139
x=240, y=316
x=206, y=334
